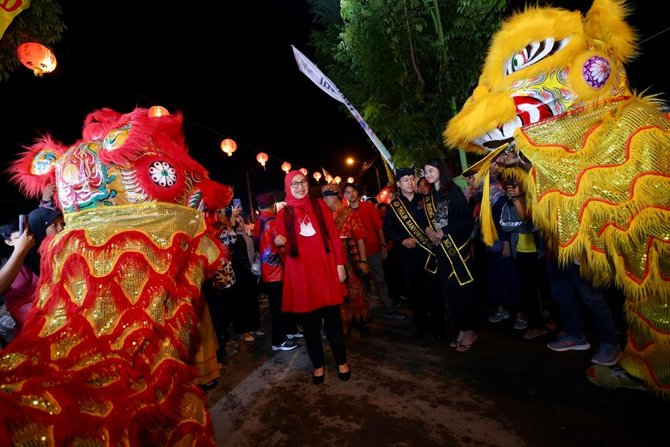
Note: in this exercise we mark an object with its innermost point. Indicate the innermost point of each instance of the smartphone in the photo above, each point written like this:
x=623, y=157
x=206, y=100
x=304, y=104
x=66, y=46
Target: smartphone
x=22, y=222
x=237, y=203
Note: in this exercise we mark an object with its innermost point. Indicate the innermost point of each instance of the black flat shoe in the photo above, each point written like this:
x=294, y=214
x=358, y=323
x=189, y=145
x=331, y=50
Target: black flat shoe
x=209, y=385
x=318, y=380
x=344, y=376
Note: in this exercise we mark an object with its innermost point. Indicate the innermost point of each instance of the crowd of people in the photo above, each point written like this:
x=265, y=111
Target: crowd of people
x=321, y=254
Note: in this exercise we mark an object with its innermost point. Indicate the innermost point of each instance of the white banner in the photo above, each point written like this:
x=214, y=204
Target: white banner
x=312, y=72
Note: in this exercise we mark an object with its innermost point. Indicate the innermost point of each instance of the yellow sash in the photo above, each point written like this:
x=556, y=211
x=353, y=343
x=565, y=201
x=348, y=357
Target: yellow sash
x=408, y=222
x=448, y=246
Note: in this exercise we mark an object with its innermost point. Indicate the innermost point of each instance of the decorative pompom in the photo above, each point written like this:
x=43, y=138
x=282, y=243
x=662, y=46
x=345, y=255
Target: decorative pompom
x=34, y=169
x=98, y=123
x=215, y=194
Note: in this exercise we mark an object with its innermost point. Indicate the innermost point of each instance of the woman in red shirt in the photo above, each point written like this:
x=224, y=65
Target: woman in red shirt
x=313, y=271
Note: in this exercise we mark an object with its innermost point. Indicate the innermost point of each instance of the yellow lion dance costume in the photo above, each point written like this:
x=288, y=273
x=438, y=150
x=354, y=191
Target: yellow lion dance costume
x=106, y=355
x=554, y=98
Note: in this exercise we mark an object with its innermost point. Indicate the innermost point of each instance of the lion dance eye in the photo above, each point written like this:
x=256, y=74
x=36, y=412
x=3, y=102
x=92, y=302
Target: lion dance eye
x=533, y=53
x=162, y=174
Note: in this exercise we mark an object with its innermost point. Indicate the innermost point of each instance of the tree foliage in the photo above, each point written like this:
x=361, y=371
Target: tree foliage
x=41, y=22
x=406, y=65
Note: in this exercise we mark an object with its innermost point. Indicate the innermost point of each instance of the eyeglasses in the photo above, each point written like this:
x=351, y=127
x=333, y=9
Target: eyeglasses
x=300, y=183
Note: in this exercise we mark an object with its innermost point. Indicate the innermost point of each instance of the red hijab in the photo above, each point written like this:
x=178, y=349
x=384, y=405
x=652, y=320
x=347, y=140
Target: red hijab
x=301, y=204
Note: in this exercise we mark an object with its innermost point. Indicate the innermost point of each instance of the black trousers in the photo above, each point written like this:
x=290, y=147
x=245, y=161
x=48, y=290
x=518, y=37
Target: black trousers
x=311, y=322
x=282, y=322
x=423, y=292
x=220, y=316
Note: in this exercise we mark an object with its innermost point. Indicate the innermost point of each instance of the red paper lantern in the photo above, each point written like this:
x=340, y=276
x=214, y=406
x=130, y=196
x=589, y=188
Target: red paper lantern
x=262, y=158
x=317, y=176
x=286, y=166
x=36, y=57
x=228, y=146
x=158, y=111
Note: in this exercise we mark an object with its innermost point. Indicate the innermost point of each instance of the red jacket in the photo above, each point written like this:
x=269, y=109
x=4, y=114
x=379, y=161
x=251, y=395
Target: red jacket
x=272, y=269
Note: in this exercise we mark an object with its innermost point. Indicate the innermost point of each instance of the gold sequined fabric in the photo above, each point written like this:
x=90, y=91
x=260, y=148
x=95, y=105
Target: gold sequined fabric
x=106, y=356
x=601, y=177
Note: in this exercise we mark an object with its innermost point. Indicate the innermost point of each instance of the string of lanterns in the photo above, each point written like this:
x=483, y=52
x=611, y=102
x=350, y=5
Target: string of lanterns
x=229, y=146
x=41, y=59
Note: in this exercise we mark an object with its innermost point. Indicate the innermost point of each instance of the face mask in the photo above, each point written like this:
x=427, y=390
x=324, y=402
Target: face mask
x=306, y=228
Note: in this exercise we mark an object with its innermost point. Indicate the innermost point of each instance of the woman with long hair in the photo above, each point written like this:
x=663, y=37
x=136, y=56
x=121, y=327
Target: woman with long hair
x=449, y=225
x=313, y=270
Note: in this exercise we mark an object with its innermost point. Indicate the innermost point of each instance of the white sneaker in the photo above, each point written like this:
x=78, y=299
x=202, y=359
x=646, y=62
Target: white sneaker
x=498, y=317
x=296, y=335
x=288, y=345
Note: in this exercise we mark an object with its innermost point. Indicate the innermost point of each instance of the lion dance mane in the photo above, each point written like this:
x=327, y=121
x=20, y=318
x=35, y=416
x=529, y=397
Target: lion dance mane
x=594, y=157
x=106, y=355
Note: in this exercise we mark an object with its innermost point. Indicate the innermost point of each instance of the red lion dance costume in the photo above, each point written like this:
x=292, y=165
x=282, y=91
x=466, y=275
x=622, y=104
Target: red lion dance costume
x=106, y=355
x=553, y=107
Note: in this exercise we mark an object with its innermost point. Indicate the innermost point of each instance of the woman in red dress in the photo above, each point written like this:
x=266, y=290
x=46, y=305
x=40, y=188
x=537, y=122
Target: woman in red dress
x=313, y=271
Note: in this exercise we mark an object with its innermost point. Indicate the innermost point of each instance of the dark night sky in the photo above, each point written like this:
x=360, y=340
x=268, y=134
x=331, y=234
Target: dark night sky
x=230, y=70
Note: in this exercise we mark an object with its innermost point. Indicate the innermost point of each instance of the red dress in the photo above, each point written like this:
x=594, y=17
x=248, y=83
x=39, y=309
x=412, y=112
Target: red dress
x=356, y=306
x=310, y=279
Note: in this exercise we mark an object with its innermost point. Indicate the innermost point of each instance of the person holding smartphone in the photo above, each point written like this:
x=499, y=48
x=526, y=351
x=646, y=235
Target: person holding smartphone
x=17, y=281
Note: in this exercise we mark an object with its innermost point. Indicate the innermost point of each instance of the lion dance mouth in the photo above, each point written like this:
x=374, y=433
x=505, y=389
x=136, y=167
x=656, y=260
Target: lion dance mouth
x=529, y=111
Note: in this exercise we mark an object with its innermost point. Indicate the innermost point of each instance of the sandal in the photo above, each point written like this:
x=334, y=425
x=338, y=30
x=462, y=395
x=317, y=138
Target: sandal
x=248, y=337
x=461, y=347
x=455, y=343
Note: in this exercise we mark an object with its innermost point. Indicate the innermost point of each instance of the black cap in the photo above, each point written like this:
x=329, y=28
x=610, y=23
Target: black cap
x=39, y=220
x=266, y=200
x=401, y=172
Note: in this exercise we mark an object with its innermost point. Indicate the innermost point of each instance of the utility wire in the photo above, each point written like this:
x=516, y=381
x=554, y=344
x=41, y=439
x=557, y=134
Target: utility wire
x=655, y=35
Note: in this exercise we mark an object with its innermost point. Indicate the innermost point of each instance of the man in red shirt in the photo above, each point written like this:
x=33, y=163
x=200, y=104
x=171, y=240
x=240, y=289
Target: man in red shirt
x=375, y=246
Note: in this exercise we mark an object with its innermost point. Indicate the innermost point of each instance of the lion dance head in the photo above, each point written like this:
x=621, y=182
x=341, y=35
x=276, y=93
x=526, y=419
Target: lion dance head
x=107, y=354
x=553, y=107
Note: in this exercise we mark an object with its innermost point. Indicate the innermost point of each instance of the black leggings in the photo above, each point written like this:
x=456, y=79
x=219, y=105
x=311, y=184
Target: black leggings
x=332, y=323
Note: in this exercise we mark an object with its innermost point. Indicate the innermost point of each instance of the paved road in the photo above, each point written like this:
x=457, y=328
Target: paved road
x=407, y=392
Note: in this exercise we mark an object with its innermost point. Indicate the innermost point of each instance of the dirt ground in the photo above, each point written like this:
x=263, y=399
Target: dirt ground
x=404, y=391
